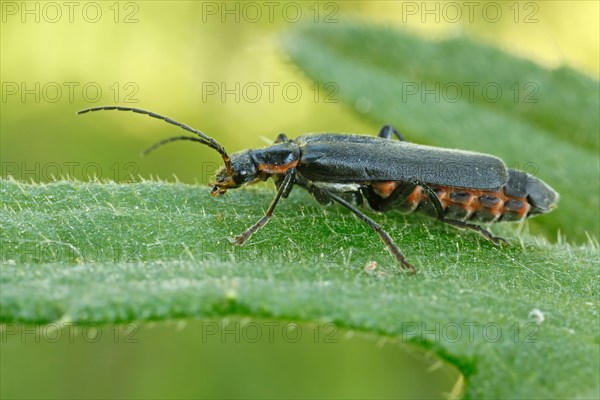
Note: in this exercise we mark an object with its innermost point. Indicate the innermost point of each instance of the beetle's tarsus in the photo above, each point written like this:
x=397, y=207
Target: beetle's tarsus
x=240, y=239
x=412, y=270
x=500, y=241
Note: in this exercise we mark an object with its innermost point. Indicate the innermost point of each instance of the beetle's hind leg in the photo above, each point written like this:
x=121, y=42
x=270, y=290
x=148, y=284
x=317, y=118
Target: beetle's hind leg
x=285, y=187
x=387, y=131
x=482, y=231
x=459, y=224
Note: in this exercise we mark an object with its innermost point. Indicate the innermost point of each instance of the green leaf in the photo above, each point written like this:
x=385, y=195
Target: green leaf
x=92, y=252
x=460, y=94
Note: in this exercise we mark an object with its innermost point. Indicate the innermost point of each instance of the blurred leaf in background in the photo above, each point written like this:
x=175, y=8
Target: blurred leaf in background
x=221, y=71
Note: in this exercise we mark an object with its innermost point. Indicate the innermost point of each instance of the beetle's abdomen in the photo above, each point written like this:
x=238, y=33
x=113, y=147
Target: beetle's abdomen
x=476, y=205
x=460, y=204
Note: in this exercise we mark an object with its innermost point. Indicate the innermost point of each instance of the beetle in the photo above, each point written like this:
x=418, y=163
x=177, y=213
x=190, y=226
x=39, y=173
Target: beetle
x=457, y=187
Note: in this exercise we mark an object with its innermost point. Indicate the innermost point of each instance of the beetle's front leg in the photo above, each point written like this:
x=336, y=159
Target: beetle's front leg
x=285, y=187
x=279, y=182
x=459, y=224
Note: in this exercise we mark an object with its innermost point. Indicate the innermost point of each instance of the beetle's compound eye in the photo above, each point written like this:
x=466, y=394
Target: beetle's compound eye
x=244, y=169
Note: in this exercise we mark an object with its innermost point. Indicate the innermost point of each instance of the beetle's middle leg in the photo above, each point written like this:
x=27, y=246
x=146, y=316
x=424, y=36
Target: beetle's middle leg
x=387, y=131
x=456, y=223
x=321, y=194
x=387, y=240
x=285, y=187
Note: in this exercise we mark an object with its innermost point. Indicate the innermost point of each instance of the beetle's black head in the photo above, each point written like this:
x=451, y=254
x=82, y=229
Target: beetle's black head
x=243, y=171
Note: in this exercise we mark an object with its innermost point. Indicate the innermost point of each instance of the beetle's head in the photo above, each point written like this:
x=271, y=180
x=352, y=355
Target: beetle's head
x=243, y=171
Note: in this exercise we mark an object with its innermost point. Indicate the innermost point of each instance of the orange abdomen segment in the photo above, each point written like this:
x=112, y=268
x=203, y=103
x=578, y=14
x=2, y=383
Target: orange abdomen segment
x=480, y=205
x=461, y=204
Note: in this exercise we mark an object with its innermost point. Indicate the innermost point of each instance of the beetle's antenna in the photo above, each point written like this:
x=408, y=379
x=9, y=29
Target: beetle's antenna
x=169, y=140
x=204, y=139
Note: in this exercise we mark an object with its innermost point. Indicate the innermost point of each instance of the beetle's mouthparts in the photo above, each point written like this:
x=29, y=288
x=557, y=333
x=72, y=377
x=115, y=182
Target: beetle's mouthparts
x=216, y=190
x=221, y=184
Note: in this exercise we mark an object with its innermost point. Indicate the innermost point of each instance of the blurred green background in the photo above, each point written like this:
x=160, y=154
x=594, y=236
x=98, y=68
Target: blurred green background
x=216, y=66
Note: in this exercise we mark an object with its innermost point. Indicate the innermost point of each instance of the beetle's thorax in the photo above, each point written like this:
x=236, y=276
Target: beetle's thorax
x=277, y=159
